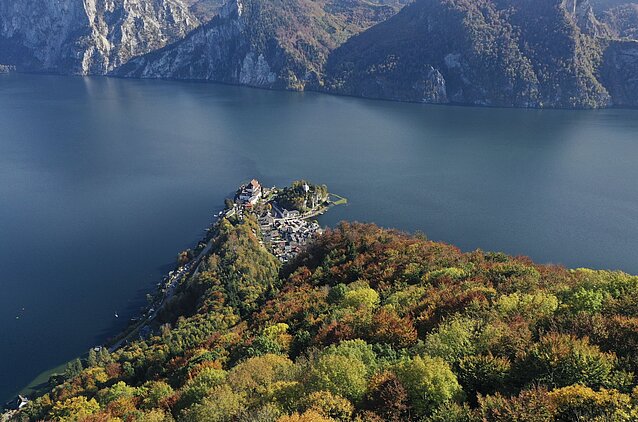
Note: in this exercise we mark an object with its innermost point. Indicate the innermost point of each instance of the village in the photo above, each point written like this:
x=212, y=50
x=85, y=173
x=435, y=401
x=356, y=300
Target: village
x=284, y=232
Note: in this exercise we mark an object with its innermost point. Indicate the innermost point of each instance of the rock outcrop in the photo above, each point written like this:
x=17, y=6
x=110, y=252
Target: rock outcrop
x=263, y=43
x=87, y=36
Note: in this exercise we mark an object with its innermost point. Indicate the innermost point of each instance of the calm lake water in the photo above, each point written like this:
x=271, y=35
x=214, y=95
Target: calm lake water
x=104, y=181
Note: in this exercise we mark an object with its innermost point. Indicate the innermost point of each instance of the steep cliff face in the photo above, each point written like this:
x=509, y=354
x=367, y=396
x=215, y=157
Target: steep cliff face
x=528, y=53
x=263, y=43
x=223, y=50
x=87, y=36
x=34, y=34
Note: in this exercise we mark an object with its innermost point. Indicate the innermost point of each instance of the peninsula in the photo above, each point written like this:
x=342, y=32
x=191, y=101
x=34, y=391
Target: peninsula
x=285, y=228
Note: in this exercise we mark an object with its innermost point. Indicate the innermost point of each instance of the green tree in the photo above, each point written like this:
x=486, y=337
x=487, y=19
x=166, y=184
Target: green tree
x=586, y=300
x=430, y=382
x=115, y=392
x=74, y=409
x=483, y=374
x=357, y=349
x=579, y=403
x=452, y=340
x=91, y=360
x=73, y=368
x=341, y=375
x=222, y=404
x=363, y=297
x=559, y=360
x=327, y=404
x=153, y=393
x=198, y=387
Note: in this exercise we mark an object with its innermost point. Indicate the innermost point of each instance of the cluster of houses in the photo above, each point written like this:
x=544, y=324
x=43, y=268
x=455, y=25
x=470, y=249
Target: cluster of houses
x=285, y=237
x=284, y=232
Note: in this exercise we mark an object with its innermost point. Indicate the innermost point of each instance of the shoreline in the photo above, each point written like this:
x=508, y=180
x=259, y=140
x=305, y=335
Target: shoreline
x=332, y=94
x=141, y=326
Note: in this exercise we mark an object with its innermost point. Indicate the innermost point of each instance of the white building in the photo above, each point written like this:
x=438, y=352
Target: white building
x=250, y=193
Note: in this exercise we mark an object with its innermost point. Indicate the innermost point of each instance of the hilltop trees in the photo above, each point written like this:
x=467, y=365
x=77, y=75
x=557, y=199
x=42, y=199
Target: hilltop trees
x=302, y=196
x=369, y=325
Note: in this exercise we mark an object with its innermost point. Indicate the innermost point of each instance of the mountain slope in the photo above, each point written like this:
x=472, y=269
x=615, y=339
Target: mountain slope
x=265, y=43
x=505, y=53
x=87, y=36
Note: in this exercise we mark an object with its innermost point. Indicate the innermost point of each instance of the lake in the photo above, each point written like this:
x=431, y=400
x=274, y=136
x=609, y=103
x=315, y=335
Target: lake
x=103, y=181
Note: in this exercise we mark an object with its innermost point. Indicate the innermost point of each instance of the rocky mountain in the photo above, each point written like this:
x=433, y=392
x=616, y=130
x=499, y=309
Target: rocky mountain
x=521, y=53
x=87, y=36
x=263, y=43
x=541, y=53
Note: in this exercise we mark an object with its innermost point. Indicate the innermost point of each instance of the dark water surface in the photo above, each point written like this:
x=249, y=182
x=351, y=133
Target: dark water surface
x=103, y=181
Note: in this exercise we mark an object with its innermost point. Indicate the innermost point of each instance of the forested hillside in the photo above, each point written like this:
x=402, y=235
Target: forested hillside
x=540, y=53
x=369, y=325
